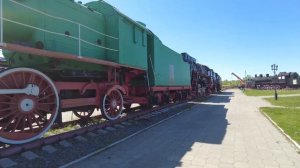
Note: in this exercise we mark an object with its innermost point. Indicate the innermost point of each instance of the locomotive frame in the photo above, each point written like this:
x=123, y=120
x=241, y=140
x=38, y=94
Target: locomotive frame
x=110, y=88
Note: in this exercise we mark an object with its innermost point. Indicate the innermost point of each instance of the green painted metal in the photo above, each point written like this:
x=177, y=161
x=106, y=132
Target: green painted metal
x=132, y=35
x=104, y=33
x=57, y=25
x=166, y=67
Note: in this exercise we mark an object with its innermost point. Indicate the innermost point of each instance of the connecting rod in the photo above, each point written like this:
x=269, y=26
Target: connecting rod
x=31, y=89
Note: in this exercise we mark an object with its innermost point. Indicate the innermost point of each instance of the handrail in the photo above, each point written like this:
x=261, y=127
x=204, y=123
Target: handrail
x=79, y=40
x=64, y=19
x=1, y=22
x=154, y=74
x=60, y=34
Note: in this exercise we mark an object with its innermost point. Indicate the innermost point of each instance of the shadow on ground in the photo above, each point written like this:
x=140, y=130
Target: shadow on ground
x=209, y=125
x=166, y=144
x=223, y=97
x=206, y=123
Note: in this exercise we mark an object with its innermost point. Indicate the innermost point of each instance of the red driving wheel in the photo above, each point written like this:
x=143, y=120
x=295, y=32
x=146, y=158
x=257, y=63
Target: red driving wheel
x=25, y=117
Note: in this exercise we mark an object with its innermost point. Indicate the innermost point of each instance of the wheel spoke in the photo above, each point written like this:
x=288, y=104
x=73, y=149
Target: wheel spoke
x=23, y=124
x=111, y=111
x=113, y=105
x=8, y=123
x=16, y=83
x=45, y=110
x=4, y=84
x=40, y=83
x=17, y=123
x=43, y=119
x=9, y=114
x=24, y=80
x=119, y=101
x=46, y=105
x=40, y=116
x=36, y=121
x=29, y=121
x=113, y=95
x=38, y=113
x=8, y=103
x=44, y=89
x=10, y=97
x=32, y=78
x=43, y=98
x=116, y=111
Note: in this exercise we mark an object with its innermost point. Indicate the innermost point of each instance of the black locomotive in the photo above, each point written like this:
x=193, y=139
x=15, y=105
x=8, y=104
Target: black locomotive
x=280, y=81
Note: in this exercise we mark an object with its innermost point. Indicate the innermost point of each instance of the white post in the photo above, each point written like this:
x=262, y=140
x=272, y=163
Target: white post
x=1, y=22
x=79, y=41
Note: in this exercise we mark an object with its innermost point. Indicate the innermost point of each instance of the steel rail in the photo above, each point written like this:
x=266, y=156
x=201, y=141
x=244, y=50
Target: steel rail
x=9, y=150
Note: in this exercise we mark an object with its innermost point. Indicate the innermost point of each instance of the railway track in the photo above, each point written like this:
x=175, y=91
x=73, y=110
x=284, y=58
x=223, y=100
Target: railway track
x=10, y=150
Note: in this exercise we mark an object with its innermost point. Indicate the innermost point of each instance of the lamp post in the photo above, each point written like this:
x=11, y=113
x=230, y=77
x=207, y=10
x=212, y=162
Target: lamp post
x=274, y=68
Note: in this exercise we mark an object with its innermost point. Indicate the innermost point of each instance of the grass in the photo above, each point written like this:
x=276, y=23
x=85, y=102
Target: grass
x=290, y=102
x=71, y=127
x=287, y=119
x=255, y=92
x=68, y=128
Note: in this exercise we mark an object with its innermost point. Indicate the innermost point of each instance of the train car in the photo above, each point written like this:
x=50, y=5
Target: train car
x=280, y=81
x=169, y=75
x=202, y=80
x=263, y=82
x=64, y=56
x=214, y=81
x=218, y=83
x=289, y=79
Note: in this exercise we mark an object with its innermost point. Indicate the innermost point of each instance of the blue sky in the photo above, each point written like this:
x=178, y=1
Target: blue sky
x=227, y=35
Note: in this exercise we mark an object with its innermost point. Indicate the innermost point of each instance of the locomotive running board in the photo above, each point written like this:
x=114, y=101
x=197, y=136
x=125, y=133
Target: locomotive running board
x=60, y=55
